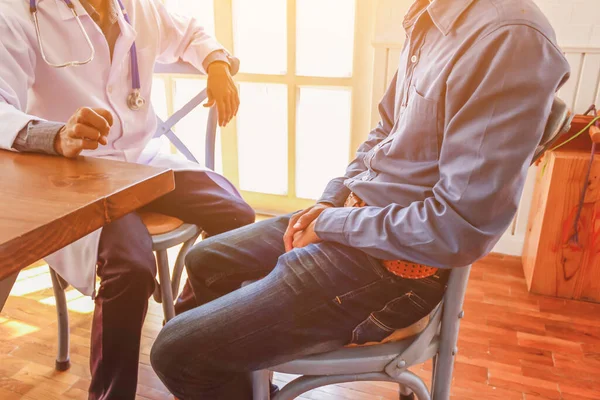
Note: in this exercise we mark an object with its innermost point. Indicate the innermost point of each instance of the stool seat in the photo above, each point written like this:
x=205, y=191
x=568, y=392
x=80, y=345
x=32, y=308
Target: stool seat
x=158, y=224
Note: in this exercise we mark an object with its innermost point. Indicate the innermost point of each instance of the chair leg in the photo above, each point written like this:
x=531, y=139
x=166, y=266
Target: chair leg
x=164, y=277
x=443, y=366
x=261, y=389
x=305, y=383
x=180, y=264
x=63, y=361
x=434, y=361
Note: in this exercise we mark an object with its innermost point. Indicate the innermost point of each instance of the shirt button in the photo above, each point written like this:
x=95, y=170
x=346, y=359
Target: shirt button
x=413, y=59
x=365, y=178
x=109, y=89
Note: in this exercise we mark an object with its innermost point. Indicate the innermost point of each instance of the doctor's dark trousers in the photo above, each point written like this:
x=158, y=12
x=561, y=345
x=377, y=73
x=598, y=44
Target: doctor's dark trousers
x=127, y=269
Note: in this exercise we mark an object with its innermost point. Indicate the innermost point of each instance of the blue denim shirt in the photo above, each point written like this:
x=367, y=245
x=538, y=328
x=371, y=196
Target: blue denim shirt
x=444, y=170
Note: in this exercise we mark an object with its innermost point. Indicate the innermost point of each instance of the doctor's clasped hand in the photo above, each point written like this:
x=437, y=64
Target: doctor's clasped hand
x=85, y=130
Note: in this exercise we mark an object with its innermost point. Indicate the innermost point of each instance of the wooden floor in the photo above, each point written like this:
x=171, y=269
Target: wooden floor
x=512, y=345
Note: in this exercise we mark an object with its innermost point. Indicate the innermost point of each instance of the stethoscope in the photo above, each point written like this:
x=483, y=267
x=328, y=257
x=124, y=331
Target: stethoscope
x=135, y=101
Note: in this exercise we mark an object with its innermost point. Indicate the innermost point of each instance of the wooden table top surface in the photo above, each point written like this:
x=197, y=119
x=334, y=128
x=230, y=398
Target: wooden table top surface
x=48, y=202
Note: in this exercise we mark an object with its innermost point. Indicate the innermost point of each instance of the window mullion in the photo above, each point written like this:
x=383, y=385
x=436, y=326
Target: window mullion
x=292, y=96
x=229, y=137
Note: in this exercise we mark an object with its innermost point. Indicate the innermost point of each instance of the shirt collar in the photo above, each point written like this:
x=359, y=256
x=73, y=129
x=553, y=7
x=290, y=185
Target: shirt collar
x=445, y=13
x=113, y=13
x=82, y=7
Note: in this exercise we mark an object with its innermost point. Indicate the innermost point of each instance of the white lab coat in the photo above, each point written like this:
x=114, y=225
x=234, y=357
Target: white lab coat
x=31, y=90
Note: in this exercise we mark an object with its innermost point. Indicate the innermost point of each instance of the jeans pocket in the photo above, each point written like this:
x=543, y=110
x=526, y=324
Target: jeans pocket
x=399, y=313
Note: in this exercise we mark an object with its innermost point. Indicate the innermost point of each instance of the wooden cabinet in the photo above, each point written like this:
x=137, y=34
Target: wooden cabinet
x=554, y=263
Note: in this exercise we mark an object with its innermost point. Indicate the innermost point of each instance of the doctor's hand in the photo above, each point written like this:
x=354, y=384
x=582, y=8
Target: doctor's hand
x=222, y=91
x=85, y=130
x=301, y=221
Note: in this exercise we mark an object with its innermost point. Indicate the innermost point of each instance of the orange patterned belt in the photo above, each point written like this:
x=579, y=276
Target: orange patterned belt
x=403, y=269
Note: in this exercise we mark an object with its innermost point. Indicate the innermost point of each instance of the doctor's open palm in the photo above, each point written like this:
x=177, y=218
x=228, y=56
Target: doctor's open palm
x=85, y=130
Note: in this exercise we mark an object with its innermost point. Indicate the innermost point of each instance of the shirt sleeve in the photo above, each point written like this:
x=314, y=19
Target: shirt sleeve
x=222, y=56
x=38, y=137
x=336, y=192
x=499, y=96
x=183, y=38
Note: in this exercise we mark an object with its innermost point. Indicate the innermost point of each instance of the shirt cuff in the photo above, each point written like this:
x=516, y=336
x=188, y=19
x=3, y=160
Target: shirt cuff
x=331, y=223
x=222, y=56
x=335, y=193
x=38, y=137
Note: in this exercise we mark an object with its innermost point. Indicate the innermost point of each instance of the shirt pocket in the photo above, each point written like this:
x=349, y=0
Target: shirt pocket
x=416, y=136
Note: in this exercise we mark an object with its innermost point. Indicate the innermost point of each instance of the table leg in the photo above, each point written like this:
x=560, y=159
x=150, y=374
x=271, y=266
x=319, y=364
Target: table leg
x=5, y=286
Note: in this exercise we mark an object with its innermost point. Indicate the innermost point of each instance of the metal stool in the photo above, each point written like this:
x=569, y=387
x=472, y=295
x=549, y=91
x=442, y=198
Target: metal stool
x=166, y=231
x=169, y=232
x=166, y=287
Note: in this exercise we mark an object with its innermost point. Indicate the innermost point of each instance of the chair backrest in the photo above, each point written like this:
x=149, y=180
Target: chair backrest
x=165, y=127
x=559, y=122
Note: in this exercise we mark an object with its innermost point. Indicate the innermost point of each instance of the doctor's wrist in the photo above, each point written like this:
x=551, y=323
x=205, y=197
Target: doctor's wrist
x=218, y=67
x=58, y=141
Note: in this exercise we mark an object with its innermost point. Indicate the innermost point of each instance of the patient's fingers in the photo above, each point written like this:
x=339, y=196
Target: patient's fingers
x=288, y=236
x=288, y=239
x=297, y=216
x=306, y=219
x=297, y=240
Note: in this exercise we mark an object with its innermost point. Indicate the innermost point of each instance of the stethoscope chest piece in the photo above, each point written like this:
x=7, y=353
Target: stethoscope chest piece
x=135, y=101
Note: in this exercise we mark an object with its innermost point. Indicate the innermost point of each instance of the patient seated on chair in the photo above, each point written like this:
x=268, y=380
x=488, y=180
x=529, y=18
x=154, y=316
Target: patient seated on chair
x=433, y=187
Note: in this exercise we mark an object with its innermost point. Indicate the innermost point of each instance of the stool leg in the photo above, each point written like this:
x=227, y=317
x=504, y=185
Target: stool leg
x=180, y=264
x=63, y=361
x=164, y=277
x=261, y=389
x=157, y=293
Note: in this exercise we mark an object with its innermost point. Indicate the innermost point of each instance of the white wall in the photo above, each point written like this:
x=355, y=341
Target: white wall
x=578, y=33
x=576, y=21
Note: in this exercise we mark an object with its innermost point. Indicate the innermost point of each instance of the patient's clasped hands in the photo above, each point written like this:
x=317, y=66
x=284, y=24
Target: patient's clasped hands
x=301, y=228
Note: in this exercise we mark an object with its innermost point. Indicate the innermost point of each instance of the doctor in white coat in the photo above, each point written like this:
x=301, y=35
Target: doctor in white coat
x=87, y=109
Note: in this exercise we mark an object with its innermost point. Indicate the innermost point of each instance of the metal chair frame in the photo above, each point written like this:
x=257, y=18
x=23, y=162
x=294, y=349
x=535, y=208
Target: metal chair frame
x=390, y=362
x=167, y=287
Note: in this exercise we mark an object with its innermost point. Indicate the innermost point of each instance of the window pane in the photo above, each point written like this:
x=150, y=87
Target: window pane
x=159, y=103
x=202, y=10
x=192, y=128
x=322, y=139
x=159, y=98
x=260, y=39
x=325, y=37
x=262, y=138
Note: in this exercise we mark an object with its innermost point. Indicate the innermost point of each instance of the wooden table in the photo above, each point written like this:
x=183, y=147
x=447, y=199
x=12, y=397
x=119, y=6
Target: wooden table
x=49, y=202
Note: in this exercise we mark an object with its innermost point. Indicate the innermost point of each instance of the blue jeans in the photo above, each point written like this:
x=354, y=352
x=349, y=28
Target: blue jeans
x=310, y=300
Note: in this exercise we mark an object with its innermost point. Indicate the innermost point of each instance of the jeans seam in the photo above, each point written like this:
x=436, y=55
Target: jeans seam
x=351, y=294
x=214, y=279
x=381, y=324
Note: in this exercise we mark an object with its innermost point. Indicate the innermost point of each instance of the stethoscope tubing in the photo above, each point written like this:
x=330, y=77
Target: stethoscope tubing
x=135, y=101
